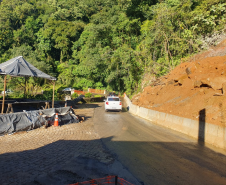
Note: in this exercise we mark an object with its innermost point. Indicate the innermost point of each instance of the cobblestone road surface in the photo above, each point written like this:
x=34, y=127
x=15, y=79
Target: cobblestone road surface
x=27, y=156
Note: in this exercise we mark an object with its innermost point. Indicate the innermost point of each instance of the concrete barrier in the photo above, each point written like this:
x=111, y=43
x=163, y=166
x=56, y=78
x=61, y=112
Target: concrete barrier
x=207, y=132
x=133, y=109
x=143, y=112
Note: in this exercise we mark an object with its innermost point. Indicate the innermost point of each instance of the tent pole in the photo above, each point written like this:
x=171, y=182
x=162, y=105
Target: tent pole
x=3, y=102
x=53, y=94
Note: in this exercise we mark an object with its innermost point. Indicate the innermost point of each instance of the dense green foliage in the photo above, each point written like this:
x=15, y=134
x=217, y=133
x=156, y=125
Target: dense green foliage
x=74, y=95
x=105, y=43
x=88, y=95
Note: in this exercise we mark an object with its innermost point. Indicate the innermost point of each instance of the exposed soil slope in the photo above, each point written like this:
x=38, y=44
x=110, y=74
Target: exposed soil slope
x=191, y=87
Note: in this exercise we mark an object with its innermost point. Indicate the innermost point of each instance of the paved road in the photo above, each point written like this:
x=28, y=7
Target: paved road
x=156, y=155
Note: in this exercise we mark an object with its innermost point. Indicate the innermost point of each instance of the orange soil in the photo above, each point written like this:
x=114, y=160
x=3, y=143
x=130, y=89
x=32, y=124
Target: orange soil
x=191, y=87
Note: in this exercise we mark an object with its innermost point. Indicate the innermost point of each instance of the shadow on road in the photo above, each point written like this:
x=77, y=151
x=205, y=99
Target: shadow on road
x=202, y=125
x=67, y=162
x=86, y=106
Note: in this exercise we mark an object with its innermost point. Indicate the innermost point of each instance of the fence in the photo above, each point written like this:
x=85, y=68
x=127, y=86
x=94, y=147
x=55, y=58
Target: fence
x=114, y=180
x=96, y=91
x=79, y=92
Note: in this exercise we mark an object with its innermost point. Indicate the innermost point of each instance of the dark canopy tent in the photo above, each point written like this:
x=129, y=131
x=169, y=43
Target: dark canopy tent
x=19, y=67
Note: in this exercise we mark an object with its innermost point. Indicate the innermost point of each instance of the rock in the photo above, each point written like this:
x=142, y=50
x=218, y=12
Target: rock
x=180, y=82
x=205, y=82
x=217, y=82
x=80, y=118
x=197, y=83
x=170, y=82
x=188, y=70
x=224, y=88
x=218, y=94
x=191, y=69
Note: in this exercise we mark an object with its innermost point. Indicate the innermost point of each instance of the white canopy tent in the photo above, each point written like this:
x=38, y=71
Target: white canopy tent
x=19, y=67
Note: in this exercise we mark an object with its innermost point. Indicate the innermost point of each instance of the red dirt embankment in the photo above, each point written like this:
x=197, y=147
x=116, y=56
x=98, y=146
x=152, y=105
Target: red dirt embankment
x=191, y=87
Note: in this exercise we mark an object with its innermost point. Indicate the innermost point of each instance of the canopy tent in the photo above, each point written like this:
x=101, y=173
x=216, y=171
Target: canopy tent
x=19, y=67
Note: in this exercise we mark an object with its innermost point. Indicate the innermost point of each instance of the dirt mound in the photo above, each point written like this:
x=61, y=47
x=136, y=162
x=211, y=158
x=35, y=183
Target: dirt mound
x=191, y=87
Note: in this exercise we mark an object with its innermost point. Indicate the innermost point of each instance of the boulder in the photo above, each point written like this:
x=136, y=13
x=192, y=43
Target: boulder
x=180, y=82
x=188, y=70
x=170, y=82
x=217, y=82
x=205, y=83
x=191, y=69
x=214, y=82
x=197, y=83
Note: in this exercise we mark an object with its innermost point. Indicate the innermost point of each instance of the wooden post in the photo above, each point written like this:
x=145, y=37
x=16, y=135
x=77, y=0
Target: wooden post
x=116, y=180
x=10, y=107
x=53, y=94
x=25, y=85
x=47, y=105
x=3, y=102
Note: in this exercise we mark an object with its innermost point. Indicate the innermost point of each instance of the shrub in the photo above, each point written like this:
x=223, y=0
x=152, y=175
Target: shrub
x=97, y=96
x=39, y=97
x=30, y=96
x=98, y=85
x=85, y=89
x=88, y=95
x=47, y=95
x=60, y=96
x=74, y=95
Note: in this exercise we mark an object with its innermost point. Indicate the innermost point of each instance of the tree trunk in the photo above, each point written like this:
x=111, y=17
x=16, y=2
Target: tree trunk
x=3, y=102
x=53, y=94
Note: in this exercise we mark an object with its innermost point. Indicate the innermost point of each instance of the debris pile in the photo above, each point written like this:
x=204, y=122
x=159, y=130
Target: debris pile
x=191, y=87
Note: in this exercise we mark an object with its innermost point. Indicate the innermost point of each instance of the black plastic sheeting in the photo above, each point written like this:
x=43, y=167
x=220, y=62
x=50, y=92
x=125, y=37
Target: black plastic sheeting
x=76, y=100
x=10, y=123
x=65, y=115
x=28, y=120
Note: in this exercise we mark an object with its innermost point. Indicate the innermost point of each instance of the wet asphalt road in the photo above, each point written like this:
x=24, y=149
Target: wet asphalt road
x=157, y=155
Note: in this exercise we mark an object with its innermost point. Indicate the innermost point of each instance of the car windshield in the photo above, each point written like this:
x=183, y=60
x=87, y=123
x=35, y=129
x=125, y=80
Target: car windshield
x=113, y=99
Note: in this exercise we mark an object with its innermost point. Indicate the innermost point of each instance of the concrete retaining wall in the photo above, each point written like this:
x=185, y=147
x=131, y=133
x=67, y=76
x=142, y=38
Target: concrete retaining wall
x=207, y=132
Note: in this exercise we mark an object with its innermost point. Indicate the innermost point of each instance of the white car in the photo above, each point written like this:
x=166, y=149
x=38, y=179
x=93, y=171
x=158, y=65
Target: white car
x=7, y=92
x=113, y=103
x=67, y=89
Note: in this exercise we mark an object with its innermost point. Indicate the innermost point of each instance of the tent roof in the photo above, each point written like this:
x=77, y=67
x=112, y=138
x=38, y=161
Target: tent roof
x=18, y=66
